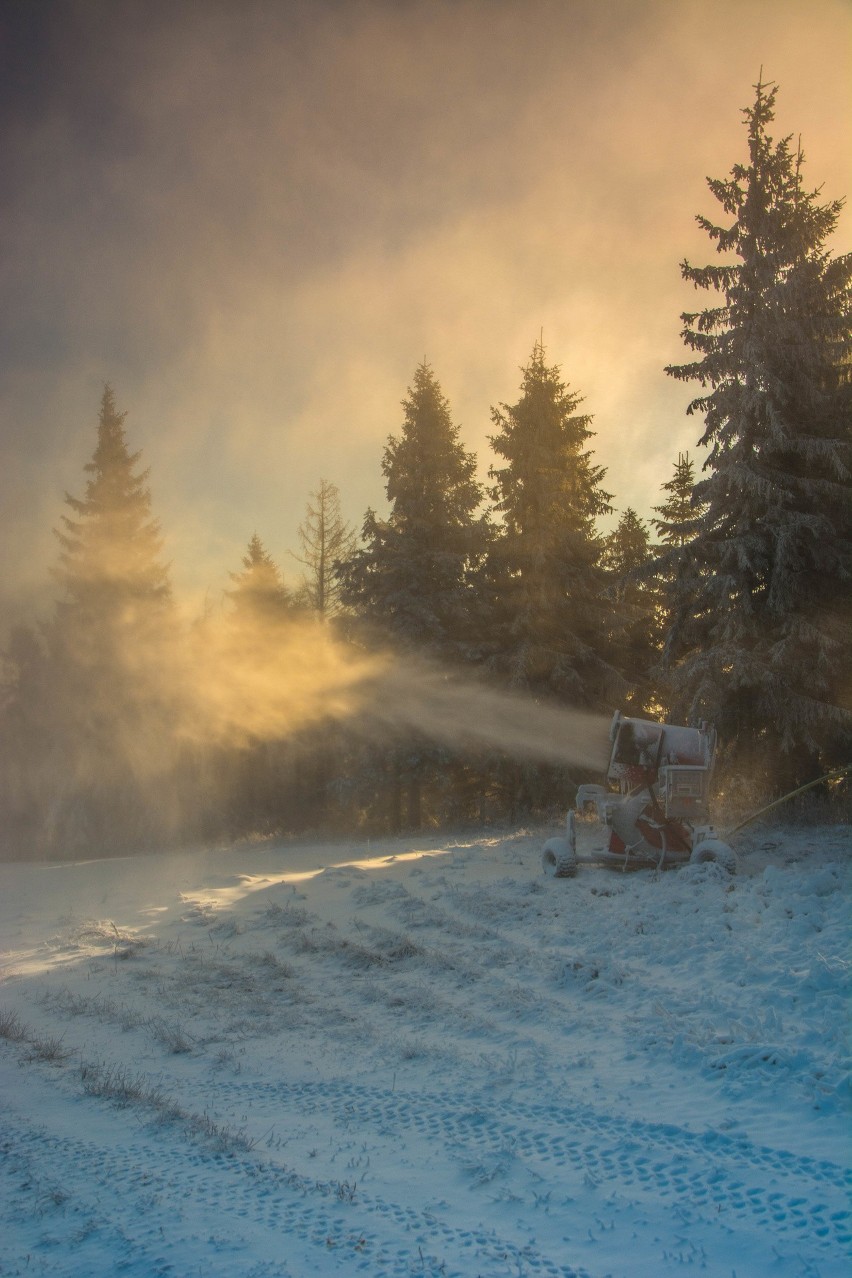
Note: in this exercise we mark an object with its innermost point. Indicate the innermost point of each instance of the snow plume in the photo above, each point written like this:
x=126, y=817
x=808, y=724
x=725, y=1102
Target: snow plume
x=278, y=679
x=412, y=696
x=138, y=741
x=263, y=679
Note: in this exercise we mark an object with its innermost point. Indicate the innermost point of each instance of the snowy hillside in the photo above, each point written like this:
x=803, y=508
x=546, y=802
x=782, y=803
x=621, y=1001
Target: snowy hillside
x=425, y=1058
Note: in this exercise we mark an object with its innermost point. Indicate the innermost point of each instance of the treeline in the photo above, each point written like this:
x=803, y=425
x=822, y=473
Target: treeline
x=122, y=725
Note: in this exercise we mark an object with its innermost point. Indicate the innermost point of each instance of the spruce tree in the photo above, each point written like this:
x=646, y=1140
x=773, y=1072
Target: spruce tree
x=626, y=550
x=110, y=564
x=326, y=540
x=552, y=620
x=627, y=559
x=762, y=646
x=679, y=514
x=674, y=570
x=257, y=762
x=28, y=740
x=258, y=595
x=414, y=575
x=110, y=647
x=414, y=579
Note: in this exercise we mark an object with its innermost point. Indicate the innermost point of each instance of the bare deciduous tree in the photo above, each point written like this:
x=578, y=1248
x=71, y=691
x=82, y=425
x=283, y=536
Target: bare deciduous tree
x=325, y=539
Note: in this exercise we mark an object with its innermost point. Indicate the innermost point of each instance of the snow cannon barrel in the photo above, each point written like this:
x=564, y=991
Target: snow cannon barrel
x=643, y=750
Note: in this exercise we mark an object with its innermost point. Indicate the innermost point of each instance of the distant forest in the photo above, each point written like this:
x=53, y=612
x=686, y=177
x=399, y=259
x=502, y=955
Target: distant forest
x=125, y=726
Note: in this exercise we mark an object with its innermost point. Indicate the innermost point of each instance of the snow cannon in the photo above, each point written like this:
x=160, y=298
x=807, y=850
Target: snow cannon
x=655, y=806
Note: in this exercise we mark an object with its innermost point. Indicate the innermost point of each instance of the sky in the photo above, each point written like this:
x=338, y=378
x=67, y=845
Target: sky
x=256, y=218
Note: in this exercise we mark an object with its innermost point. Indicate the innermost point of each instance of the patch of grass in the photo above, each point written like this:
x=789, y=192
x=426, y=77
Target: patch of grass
x=124, y=1087
x=170, y=1035
x=51, y=1050
x=12, y=1027
x=271, y=961
x=225, y=1058
x=118, y=1083
x=121, y=1085
x=98, y=1006
x=105, y=932
x=294, y=916
x=396, y=946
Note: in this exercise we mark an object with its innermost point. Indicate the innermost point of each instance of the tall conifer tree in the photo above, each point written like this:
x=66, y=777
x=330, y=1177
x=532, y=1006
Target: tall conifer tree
x=110, y=644
x=552, y=620
x=110, y=563
x=258, y=594
x=626, y=550
x=679, y=514
x=627, y=559
x=763, y=645
x=674, y=570
x=28, y=740
x=414, y=575
x=258, y=782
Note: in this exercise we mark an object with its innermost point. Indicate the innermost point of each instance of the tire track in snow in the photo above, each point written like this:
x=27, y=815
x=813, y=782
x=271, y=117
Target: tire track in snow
x=71, y=1231
x=215, y=1202
x=771, y=1189
x=504, y=963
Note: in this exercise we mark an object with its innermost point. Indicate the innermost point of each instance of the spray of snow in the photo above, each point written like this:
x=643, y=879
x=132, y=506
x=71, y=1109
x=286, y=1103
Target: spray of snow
x=453, y=711
x=265, y=685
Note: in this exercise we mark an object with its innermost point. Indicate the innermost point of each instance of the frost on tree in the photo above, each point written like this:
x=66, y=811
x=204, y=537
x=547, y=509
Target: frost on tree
x=762, y=645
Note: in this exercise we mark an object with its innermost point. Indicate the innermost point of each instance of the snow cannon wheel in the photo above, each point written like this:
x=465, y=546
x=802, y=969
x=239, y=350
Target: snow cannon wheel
x=559, y=859
x=714, y=850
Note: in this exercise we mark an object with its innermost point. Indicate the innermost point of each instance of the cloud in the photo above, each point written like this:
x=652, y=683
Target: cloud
x=256, y=220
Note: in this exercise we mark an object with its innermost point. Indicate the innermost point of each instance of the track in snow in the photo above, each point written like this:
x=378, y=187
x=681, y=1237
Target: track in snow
x=194, y=1204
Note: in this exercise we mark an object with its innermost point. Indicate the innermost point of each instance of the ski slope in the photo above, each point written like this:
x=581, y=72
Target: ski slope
x=422, y=1057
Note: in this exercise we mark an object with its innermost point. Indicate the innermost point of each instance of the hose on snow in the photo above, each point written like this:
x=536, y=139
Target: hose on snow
x=834, y=775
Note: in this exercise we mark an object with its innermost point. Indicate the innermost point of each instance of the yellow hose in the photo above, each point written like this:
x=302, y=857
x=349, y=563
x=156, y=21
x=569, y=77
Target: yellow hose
x=829, y=776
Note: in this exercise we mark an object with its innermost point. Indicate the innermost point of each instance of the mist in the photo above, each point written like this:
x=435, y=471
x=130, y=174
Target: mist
x=244, y=687
x=255, y=220
x=155, y=736
x=411, y=697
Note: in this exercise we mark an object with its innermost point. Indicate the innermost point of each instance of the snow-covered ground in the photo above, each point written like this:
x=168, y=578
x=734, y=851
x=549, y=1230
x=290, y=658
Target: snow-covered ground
x=424, y=1058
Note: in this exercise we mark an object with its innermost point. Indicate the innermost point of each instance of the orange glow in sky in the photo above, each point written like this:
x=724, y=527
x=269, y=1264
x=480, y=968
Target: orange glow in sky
x=256, y=219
